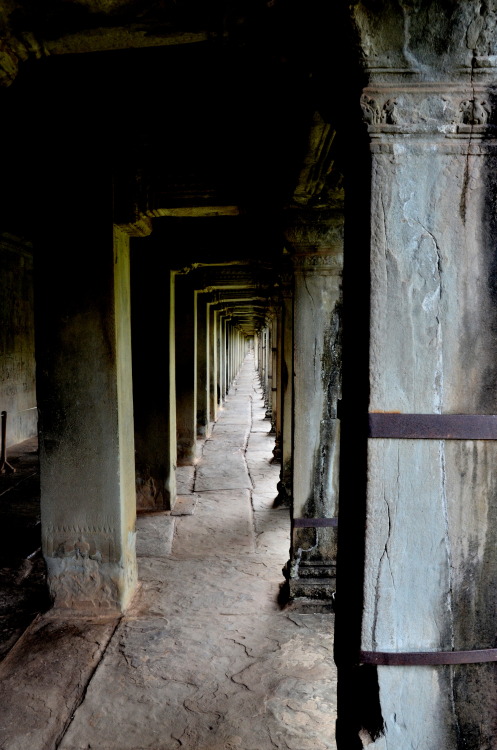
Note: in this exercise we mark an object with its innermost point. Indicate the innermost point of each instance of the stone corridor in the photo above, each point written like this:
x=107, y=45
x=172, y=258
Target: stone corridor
x=208, y=657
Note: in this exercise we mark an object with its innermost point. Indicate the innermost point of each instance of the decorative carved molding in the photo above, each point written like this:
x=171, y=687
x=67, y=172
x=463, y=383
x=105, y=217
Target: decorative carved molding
x=84, y=583
x=475, y=112
x=77, y=542
x=319, y=262
x=374, y=114
x=446, y=109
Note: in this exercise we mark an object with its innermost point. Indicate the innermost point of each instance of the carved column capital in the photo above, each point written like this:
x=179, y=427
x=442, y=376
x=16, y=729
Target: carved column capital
x=315, y=239
x=444, y=110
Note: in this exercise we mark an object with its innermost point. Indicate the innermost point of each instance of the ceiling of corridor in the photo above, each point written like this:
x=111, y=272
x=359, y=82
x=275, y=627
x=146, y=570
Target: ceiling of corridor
x=221, y=122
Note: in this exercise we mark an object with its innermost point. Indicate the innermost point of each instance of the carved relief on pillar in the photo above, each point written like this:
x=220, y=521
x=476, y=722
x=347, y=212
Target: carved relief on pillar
x=96, y=542
x=316, y=241
x=325, y=262
x=81, y=570
x=446, y=109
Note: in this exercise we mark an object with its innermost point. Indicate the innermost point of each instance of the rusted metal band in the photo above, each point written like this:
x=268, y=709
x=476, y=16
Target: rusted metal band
x=433, y=426
x=314, y=523
x=427, y=658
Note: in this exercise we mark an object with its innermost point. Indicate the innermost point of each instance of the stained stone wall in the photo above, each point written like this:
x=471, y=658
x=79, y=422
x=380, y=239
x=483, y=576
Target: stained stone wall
x=17, y=363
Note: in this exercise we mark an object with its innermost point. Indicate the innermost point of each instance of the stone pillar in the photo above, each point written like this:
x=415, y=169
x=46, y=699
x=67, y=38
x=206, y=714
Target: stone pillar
x=317, y=243
x=286, y=401
x=276, y=382
x=262, y=360
x=212, y=357
x=224, y=356
x=203, y=375
x=88, y=502
x=431, y=536
x=268, y=367
x=220, y=357
x=186, y=370
x=154, y=390
x=229, y=354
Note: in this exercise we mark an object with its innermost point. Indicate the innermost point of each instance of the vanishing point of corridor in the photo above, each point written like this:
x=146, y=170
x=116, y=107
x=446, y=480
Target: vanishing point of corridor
x=206, y=658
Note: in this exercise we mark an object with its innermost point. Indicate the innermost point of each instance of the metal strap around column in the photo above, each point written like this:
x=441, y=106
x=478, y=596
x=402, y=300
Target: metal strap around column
x=432, y=426
x=427, y=658
x=314, y=523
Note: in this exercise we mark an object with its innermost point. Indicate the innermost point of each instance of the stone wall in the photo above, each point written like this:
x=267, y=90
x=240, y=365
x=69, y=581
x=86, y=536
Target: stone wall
x=17, y=361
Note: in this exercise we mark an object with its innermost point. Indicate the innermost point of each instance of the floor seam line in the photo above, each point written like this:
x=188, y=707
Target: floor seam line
x=86, y=687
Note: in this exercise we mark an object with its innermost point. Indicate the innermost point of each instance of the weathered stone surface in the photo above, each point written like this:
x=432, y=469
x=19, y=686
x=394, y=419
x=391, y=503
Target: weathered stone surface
x=186, y=373
x=205, y=657
x=432, y=351
x=250, y=690
x=223, y=472
x=43, y=678
x=154, y=414
x=185, y=477
x=272, y=530
x=226, y=522
x=428, y=40
x=185, y=505
x=317, y=244
x=17, y=368
x=84, y=388
x=154, y=535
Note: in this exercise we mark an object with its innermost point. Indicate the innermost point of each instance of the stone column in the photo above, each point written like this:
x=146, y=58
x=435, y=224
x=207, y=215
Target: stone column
x=229, y=354
x=203, y=375
x=224, y=356
x=154, y=390
x=262, y=360
x=186, y=370
x=286, y=365
x=276, y=382
x=317, y=244
x=431, y=538
x=88, y=501
x=268, y=367
x=212, y=356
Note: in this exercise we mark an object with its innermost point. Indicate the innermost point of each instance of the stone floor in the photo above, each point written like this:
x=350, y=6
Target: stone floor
x=208, y=656
x=23, y=592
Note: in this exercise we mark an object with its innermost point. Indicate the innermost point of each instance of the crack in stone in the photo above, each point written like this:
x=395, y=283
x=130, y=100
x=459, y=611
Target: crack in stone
x=379, y=571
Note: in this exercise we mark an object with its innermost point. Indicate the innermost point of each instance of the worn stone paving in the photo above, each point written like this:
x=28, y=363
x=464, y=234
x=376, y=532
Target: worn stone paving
x=205, y=658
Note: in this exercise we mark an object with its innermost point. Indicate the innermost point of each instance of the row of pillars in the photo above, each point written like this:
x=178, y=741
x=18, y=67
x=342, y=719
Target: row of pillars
x=179, y=381
x=299, y=362
x=133, y=365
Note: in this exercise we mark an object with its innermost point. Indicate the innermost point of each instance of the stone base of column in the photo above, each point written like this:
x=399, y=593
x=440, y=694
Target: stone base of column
x=284, y=497
x=186, y=454
x=81, y=577
x=148, y=495
x=277, y=452
x=311, y=580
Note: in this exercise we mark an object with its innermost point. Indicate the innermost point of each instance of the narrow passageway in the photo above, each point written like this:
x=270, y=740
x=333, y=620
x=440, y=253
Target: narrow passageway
x=206, y=658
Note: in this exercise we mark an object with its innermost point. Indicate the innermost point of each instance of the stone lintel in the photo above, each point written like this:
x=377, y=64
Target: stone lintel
x=142, y=227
